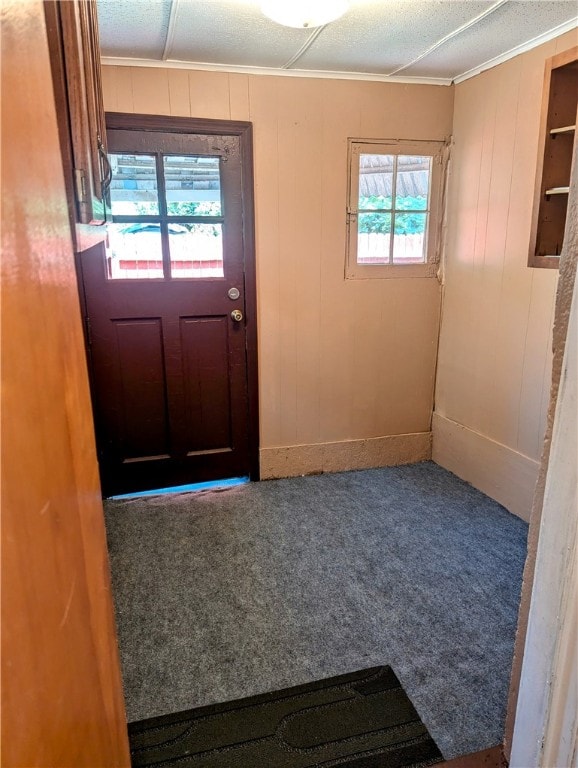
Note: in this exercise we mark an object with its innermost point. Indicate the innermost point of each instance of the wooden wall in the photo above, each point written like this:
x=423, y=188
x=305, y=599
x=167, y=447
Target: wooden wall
x=494, y=365
x=62, y=703
x=545, y=669
x=346, y=366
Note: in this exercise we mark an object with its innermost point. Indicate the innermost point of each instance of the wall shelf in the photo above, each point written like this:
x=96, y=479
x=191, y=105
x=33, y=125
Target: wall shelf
x=557, y=145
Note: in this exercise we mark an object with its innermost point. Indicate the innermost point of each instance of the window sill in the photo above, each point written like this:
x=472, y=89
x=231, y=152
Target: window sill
x=385, y=271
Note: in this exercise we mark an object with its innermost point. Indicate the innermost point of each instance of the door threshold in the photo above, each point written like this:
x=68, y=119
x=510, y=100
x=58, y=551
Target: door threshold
x=210, y=485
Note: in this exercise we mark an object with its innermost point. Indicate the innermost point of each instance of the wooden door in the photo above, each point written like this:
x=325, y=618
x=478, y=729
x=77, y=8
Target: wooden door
x=170, y=305
x=62, y=702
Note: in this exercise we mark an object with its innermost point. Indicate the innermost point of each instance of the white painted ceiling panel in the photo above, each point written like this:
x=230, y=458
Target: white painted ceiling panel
x=408, y=38
x=382, y=37
x=133, y=28
x=221, y=32
x=511, y=25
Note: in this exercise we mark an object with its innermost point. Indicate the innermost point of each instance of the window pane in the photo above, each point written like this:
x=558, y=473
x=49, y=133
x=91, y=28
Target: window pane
x=135, y=252
x=409, y=238
x=133, y=190
x=196, y=250
x=193, y=185
x=412, y=183
x=375, y=181
x=373, y=238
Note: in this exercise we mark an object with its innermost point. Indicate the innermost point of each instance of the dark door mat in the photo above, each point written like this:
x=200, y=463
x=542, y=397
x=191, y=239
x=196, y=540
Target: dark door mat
x=360, y=720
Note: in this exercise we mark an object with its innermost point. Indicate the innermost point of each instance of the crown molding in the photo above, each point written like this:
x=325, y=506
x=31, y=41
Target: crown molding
x=329, y=75
x=271, y=71
x=568, y=26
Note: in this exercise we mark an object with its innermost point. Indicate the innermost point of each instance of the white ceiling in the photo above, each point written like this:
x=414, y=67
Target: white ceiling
x=431, y=40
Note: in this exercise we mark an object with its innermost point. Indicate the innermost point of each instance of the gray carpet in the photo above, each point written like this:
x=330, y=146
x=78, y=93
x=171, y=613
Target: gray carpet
x=226, y=594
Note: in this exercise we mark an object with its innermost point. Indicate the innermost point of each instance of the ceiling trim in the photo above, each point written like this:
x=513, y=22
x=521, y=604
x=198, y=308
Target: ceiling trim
x=567, y=26
x=305, y=47
x=171, y=29
x=322, y=74
x=450, y=36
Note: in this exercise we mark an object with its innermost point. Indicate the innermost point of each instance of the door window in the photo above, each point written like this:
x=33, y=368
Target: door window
x=168, y=217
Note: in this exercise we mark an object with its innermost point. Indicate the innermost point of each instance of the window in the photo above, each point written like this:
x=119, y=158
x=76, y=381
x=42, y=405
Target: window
x=168, y=217
x=394, y=208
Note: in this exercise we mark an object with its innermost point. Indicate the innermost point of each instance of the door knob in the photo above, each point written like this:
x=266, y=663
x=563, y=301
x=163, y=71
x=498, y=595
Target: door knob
x=237, y=315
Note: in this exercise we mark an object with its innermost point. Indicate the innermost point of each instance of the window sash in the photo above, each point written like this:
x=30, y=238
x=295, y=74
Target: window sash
x=432, y=213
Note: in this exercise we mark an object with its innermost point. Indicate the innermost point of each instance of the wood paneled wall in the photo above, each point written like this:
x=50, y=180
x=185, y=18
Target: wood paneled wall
x=494, y=365
x=62, y=703
x=340, y=360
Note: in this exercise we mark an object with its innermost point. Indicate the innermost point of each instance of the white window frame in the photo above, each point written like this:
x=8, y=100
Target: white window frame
x=437, y=150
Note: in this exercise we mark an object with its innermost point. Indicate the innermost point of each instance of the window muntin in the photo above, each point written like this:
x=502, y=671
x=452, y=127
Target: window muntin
x=393, y=208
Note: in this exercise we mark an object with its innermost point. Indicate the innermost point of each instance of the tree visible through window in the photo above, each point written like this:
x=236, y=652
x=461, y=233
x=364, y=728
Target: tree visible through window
x=393, y=195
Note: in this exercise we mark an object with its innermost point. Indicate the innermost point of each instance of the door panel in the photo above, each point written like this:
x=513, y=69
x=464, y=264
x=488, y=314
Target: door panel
x=205, y=346
x=141, y=389
x=169, y=361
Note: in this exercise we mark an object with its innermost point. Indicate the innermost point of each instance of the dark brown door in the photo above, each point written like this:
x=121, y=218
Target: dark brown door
x=168, y=305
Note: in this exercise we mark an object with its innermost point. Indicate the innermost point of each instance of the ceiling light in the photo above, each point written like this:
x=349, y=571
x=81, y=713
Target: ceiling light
x=304, y=13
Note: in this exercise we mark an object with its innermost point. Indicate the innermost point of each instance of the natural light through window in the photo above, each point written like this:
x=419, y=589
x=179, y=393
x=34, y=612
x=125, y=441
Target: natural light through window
x=168, y=217
x=393, y=195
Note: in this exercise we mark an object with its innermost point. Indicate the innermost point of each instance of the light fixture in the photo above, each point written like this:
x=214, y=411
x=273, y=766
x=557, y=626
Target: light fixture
x=304, y=13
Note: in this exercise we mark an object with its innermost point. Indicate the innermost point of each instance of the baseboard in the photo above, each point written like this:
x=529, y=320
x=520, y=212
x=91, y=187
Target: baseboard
x=389, y=451
x=500, y=472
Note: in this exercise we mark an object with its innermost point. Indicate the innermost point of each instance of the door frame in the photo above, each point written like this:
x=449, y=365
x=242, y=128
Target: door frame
x=244, y=130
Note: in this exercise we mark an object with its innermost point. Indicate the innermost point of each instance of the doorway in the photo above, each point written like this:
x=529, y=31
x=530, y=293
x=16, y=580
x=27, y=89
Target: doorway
x=171, y=306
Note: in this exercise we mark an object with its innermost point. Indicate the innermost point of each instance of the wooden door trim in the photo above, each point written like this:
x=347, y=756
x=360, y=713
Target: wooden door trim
x=244, y=130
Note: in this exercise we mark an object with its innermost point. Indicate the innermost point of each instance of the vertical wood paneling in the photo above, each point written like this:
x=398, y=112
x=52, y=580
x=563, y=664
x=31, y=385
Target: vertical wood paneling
x=263, y=114
x=487, y=269
x=239, y=96
x=511, y=310
x=307, y=255
x=150, y=90
x=459, y=289
x=124, y=89
x=179, y=94
x=339, y=359
x=495, y=358
x=289, y=221
x=209, y=95
x=110, y=101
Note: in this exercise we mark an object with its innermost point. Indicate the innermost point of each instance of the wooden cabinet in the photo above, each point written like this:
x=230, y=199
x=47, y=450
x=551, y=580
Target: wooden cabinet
x=556, y=149
x=75, y=59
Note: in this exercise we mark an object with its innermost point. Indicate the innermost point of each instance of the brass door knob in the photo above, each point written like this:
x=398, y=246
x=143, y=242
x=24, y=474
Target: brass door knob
x=237, y=315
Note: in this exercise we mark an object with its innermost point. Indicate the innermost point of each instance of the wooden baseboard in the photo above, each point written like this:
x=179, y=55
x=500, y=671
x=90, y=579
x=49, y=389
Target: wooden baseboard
x=392, y=450
x=500, y=472
x=487, y=758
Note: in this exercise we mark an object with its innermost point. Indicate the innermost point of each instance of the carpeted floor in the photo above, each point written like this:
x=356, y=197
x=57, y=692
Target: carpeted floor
x=222, y=595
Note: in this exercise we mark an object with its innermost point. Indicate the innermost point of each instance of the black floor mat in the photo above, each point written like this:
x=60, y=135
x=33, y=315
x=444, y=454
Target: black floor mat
x=360, y=720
